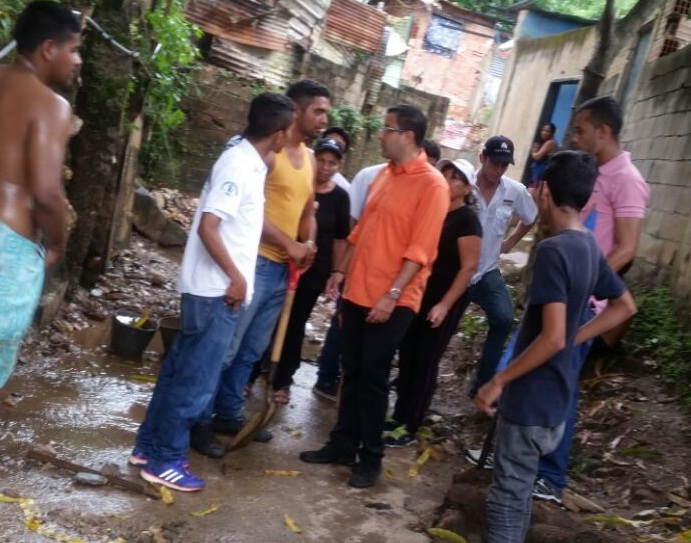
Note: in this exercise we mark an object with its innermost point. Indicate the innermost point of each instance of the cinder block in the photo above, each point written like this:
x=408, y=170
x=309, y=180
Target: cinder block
x=673, y=227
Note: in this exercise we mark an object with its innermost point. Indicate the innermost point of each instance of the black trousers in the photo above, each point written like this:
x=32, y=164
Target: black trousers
x=419, y=356
x=368, y=350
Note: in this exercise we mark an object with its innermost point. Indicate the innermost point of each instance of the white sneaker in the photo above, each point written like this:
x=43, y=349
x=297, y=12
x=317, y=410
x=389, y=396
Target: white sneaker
x=473, y=456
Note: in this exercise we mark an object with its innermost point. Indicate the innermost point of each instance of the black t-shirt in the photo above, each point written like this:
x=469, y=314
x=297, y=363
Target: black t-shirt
x=333, y=222
x=459, y=223
x=569, y=268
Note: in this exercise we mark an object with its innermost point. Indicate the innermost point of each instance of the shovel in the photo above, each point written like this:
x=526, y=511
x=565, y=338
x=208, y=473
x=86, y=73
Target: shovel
x=262, y=418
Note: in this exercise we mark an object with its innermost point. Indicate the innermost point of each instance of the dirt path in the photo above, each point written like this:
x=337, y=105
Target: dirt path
x=70, y=393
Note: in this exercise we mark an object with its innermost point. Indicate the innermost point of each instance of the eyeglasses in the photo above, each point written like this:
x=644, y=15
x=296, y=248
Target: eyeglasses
x=389, y=129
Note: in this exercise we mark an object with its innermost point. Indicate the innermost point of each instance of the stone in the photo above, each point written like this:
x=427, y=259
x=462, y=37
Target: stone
x=90, y=479
x=173, y=235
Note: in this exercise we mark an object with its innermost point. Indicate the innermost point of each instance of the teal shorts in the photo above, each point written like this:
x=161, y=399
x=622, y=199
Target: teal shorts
x=22, y=268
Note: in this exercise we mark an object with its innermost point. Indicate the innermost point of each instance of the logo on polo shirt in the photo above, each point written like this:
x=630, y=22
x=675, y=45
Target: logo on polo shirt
x=230, y=188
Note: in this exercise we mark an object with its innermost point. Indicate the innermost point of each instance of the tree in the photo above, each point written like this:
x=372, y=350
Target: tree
x=587, y=9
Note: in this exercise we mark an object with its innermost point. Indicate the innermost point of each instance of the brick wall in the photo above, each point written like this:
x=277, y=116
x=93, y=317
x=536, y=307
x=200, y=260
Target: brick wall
x=658, y=134
x=458, y=78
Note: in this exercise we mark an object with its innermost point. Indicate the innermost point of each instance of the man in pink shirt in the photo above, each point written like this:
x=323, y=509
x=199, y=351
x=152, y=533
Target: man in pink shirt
x=615, y=214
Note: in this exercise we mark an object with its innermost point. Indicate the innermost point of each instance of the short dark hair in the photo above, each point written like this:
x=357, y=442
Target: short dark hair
x=552, y=127
x=44, y=20
x=304, y=91
x=432, y=149
x=570, y=176
x=338, y=130
x=604, y=110
x=269, y=112
x=410, y=118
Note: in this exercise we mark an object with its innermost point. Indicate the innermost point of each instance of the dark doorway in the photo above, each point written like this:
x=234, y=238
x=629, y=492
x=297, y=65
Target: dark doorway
x=556, y=109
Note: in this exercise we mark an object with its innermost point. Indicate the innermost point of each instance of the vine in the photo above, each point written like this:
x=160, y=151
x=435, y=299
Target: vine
x=170, y=66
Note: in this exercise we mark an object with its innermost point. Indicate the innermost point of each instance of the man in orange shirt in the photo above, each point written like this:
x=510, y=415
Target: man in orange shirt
x=389, y=256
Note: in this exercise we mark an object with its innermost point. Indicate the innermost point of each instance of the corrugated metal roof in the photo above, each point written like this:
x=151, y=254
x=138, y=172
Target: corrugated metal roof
x=355, y=24
x=227, y=12
x=270, y=24
x=275, y=68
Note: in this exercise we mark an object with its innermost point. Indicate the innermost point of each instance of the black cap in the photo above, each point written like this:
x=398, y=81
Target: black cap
x=329, y=144
x=499, y=149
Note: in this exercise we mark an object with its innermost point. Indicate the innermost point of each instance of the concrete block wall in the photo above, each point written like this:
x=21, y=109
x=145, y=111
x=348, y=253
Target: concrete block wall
x=657, y=132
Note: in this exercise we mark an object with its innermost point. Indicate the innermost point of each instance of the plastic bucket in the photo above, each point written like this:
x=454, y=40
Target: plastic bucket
x=129, y=342
x=169, y=327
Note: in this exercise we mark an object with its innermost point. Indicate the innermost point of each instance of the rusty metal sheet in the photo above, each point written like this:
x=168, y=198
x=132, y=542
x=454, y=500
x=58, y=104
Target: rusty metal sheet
x=268, y=24
x=355, y=24
x=272, y=67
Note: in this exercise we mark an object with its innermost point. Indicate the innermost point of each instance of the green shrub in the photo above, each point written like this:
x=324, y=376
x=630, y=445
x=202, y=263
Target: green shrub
x=656, y=334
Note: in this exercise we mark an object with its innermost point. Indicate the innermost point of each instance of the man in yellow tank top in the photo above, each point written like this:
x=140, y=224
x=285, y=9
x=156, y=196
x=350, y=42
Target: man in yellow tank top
x=288, y=234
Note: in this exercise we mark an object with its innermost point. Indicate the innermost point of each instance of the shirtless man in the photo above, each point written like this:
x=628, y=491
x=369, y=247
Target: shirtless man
x=34, y=128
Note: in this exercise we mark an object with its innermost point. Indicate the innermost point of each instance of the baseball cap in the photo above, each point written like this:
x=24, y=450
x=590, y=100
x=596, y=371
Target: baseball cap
x=463, y=166
x=329, y=144
x=499, y=149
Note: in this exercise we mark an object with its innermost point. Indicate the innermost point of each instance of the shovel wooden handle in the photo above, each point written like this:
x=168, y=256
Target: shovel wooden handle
x=279, y=338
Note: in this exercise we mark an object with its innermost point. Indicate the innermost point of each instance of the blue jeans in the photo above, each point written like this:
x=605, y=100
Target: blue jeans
x=554, y=465
x=491, y=294
x=256, y=323
x=329, y=360
x=188, y=377
x=516, y=455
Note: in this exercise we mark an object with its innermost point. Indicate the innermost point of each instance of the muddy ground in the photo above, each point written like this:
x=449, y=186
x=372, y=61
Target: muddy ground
x=70, y=393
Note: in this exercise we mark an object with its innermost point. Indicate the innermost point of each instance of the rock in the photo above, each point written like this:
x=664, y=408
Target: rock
x=158, y=279
x=149, y=219
x=111, y=469
x=90, y=479
x=173, y=235
x=96, y=292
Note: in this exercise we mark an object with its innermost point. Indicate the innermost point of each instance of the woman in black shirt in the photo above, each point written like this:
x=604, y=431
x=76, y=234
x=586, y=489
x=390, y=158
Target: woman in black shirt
x=429, y=334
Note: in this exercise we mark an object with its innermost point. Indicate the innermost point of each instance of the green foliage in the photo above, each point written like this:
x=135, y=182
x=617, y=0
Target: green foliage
x=347, y=117
x=657, y=334
x=372, y=124
x=170, y=73
x=9, y=9
x=587, y=9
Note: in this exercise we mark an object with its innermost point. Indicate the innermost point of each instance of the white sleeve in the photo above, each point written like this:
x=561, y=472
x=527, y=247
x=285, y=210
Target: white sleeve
x=359, y=189
x=524, y=205
x=225, y=188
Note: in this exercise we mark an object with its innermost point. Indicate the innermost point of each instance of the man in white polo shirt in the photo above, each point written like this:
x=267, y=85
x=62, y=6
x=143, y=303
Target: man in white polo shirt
x=499, y=198
x=216, y=279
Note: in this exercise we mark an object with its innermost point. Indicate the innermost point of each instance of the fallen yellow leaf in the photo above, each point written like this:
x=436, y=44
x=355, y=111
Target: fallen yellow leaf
x=388, y=472
x=415, y=469
x=684, y=537
x=140, y=377
x=290, y=523
x=286, y=473
x=203, y=512
x=166, y=495
x=441, y=533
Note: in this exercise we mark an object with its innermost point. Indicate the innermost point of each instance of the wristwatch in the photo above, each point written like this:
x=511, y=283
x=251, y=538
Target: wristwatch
x=394, y=293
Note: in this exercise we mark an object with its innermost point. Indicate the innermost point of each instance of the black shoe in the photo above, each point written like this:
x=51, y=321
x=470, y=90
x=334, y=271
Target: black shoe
x=328, y=454
x=231, y=427
x=328, y=391
x=203, y=440
x=364, y=475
